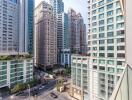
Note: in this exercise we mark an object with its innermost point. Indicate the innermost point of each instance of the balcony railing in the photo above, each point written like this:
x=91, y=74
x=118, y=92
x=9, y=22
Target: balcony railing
x=123, y=89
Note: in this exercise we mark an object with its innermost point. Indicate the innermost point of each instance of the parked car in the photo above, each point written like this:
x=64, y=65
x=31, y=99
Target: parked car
x=53, y=95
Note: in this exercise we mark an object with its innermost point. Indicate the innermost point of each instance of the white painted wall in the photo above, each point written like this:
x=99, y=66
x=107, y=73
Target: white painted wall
x=129, y=31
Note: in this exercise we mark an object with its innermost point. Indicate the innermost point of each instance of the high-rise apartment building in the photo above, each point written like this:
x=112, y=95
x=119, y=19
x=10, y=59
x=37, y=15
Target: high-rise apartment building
x=15, y=19
x=16, y=66
x=63, y=49
x=58, y=6
x=9, y=26
x=77, y=31
x=45, y=35
x=63, y=38
x=106, y=44
x=106, y=49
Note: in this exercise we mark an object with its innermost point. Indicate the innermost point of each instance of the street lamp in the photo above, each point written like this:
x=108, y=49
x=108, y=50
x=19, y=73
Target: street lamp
x=29, y=91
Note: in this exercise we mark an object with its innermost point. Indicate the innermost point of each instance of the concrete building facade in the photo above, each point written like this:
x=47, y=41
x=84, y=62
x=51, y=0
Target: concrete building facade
x=106, y=48
x=45, y=35
x=63, y=49
x=77, y=31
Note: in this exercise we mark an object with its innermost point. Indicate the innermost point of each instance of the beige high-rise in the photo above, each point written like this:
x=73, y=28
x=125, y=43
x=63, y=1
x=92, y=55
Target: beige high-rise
x=45, y=36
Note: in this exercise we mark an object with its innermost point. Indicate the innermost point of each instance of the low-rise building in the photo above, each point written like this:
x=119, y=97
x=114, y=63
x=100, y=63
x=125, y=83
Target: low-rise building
x=15, y=71
x=79, y=76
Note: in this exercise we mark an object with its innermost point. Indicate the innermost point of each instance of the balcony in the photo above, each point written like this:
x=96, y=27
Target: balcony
x=123, y=89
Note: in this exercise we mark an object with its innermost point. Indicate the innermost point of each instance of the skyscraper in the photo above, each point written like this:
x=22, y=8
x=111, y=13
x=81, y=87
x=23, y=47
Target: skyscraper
x=9, y=26
x=63, y=49
x=63, y=39
x=77, y=31
x=58, y=6
x=30, y=25
x=106, y=50
x=106, y=45
x=15, y=63
x=45, y=36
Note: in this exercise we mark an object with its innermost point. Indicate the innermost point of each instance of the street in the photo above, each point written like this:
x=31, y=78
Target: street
x=42, y=94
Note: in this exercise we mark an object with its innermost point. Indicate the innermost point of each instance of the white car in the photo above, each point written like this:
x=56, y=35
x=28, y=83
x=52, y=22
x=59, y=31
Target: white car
x=42, y=86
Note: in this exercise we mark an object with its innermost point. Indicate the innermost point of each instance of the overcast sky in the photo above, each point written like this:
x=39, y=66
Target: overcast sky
x=77, y=5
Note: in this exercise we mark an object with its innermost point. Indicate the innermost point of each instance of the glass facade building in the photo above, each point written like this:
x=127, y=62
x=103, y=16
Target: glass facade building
x=30, y=25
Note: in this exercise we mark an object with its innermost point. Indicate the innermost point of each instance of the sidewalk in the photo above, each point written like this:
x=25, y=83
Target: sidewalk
x=67, y=95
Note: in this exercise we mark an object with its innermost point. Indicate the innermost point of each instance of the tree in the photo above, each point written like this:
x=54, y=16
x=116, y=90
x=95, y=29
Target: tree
x=17, y=88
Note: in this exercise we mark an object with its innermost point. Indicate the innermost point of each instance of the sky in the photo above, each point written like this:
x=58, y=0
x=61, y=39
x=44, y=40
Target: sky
x=77, y=5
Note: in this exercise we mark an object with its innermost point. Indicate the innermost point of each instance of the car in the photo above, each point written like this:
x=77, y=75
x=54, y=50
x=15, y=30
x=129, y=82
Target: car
x=40, y=88
x=53, y=95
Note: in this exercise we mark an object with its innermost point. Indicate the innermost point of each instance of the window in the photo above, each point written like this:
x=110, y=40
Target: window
x=111, y=70
x=109, y=41
x=101, y=55
x=120, y=48
x=94, y=42
x=110, y=55
x=101, y=29
x=102, y=48
x=101, y=35
x=93, y=1
x=94, y=12
x=94, y=36
x=101, y=22
x=84, y=65
x=121, y=32
x=119, y=62
x=109, y=1
x=120, y=25
x=94, y=60
x=110, y=13
x=95, y=54
x=110, y=6
x=94, y=18
x=110, y=34
x=101, y=41
x=110, y=27
x=120, y=40
x=94, y=30
x=101, y=68
x=121, y=55
x=94, y=67
x=117, y=4
x=94, y=48
x=119, y=71
x=101, y=3
x=101, y=16
x=101, y=9
x=118, y=11
x=94, y=23
x=101, y=61
x=94, y=6
x=110, y=48
x=110, y=20
x=119, y=18
x=110, y=62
